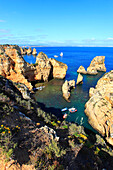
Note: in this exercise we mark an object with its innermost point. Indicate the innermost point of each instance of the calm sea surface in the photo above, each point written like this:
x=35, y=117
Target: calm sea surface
x=50, y=98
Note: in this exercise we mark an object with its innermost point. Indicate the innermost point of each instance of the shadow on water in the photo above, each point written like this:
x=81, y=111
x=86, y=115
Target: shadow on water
x=57, y=112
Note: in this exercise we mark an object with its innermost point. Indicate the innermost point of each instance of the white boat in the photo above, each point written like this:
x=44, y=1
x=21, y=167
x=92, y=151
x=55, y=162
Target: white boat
x=72, y=110
x=64, y=109
x=55, y=56
x=61, y=54
x=65, y=115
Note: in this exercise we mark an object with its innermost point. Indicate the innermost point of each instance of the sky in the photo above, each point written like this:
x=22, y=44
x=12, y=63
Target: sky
x=56, y=22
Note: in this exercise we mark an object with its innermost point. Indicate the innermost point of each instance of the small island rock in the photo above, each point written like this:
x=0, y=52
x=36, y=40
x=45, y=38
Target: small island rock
x=66, y=88
x=34, y=51
x=79, y=79
x=82, y=70
x=29, y=51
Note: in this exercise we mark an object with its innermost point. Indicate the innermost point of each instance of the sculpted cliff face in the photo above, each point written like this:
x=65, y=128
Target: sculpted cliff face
x=59, y=69
x=66, y=88
x=99, y=108
x=43, y=67
x=97, y=64
x=14, y=67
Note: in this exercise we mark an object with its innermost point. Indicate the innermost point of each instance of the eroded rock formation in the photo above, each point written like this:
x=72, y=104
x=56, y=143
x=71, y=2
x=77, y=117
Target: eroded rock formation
x=66, y=88
x=79, y=79
x=82, y=70
x=59, y=69
x=14, y=67
x=99, y=107
x=97, y=64
x=29, y=51
x=34, y=51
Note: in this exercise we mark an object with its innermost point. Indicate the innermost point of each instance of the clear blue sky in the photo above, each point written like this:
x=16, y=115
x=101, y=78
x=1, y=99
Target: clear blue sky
x=57, y=22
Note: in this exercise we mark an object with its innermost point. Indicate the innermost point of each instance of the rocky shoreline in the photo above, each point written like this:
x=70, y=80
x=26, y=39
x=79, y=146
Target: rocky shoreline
x=99, y=107
x=14, y=67
x=39, y=140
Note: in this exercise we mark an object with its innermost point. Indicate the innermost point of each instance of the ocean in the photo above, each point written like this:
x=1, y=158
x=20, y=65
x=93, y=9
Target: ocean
x=50, y=98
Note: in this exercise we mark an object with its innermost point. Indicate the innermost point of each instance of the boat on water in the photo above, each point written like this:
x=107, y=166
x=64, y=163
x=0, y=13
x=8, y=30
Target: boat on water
x=65, y=115
x=64, y=109
x=61, y=54
x=72, y=109
x=55, y=56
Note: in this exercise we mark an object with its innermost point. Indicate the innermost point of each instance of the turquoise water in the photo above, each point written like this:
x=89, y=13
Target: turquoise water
x=50, y=98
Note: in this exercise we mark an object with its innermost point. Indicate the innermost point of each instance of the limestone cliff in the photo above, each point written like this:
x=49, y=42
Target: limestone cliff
x=97, y=64
x=14, y=67
x=59, y=69
x=99, y=107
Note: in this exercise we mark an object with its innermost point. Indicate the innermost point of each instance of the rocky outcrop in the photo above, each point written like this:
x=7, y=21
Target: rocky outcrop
x=34, y=51
x=59, y=69
x=14, y=67
x=50, y=132
x=99, y=107
x=79, y=79
x=82, y=70
x=97, y=64
x=43, y=67
x=66, y=88
x=29, y=51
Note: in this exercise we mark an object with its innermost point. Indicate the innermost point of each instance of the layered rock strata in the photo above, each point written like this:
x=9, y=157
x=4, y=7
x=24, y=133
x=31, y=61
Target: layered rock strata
x=79, y=79
x=66, y=88
x=14, y=67
x=99, y=107
x=97, y=64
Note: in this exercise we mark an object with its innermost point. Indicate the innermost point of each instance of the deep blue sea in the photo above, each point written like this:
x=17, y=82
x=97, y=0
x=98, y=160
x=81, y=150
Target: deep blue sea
x=50, y=98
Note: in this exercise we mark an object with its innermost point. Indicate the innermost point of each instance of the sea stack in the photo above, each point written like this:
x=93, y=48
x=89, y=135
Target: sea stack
x=99, y=107
x=34, y=51
x=79, y=79
x=82, y=70
x=66, y=89
x=29, y=51
x=97, y=64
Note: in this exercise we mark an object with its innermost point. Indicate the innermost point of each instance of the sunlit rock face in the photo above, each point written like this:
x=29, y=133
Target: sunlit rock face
x=97, y=64
x=82, y=70
x=34, y=51
x=99, y=107
x=79, y=79
x=59, y=69
x=66, y=88
x=14, y=67
x=29, y=51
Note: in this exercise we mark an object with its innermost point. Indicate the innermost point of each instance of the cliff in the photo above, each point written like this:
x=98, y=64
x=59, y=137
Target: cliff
x=97, y=64
x=14, y=67
x=99, y=107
